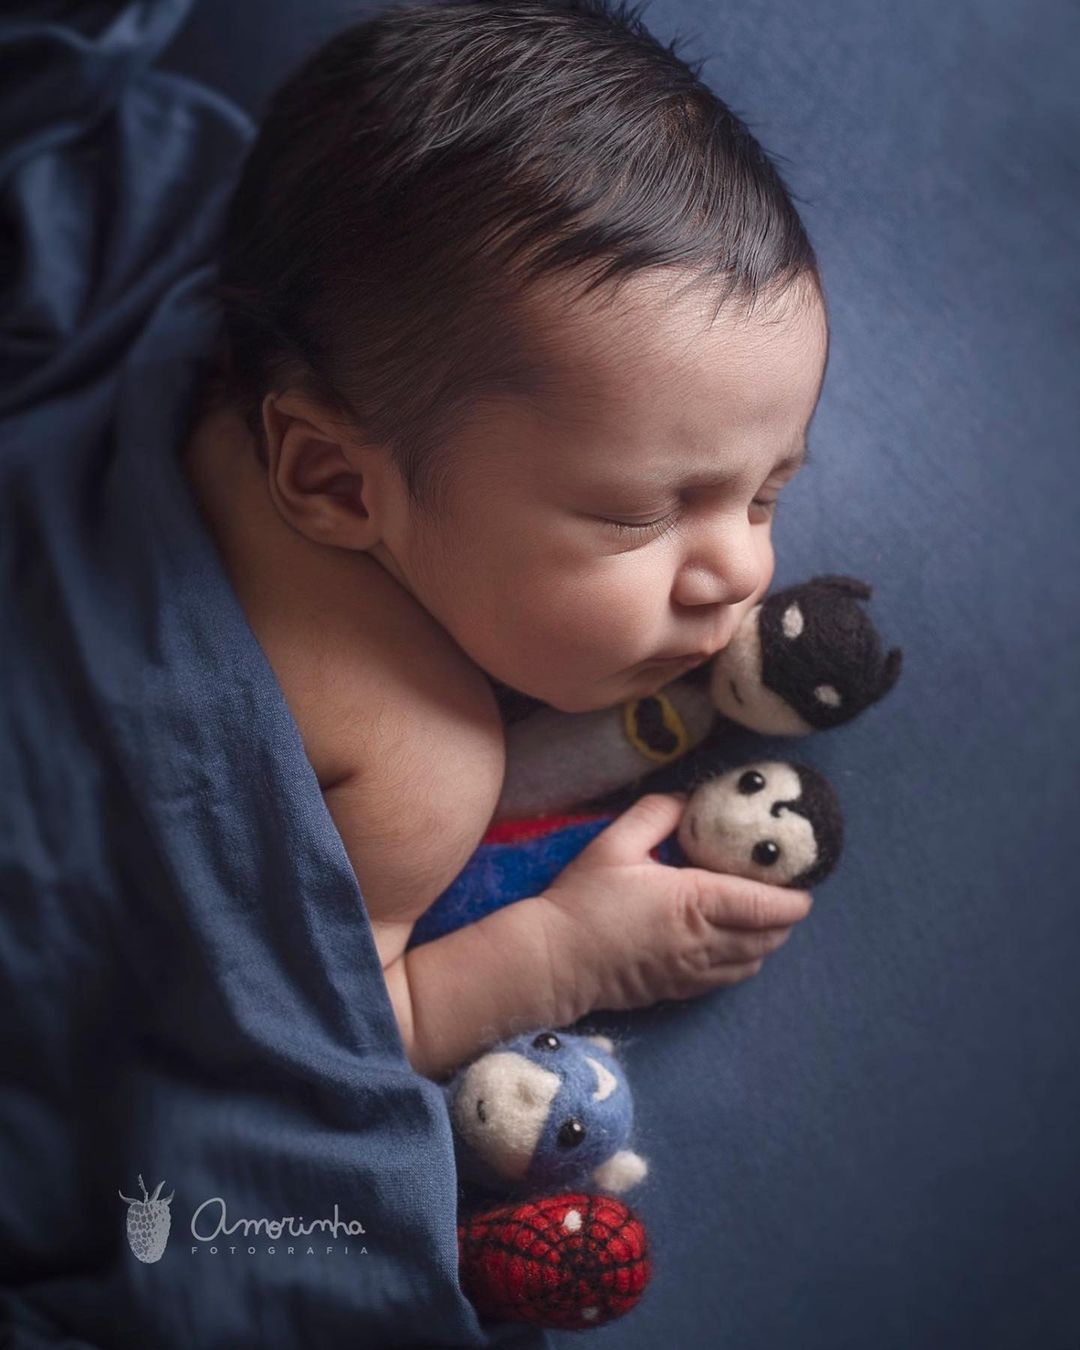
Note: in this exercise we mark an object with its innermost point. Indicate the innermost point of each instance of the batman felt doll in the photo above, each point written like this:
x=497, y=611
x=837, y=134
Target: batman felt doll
x=812, y=660
x=804, y=659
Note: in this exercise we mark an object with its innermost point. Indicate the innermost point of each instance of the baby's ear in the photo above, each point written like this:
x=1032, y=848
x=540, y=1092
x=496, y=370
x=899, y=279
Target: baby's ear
x=318, y=476
x=291, y=412
x=603, y=1042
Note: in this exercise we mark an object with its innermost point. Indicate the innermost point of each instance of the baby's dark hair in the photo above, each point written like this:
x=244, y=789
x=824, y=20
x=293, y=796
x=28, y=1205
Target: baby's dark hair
x=421, y=170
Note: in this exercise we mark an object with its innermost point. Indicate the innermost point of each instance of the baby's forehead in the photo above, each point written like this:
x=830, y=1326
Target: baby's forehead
x=653, y=358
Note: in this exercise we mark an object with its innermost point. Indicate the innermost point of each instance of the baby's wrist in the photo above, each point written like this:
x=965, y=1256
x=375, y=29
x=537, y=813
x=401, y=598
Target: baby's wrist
x=571, y=968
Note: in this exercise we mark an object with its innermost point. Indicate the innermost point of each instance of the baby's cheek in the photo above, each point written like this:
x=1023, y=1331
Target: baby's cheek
x=768, y=567
x=588, y=608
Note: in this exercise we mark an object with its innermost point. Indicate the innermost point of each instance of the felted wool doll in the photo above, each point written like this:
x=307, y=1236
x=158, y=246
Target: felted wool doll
x=538, y=1113
x=541, y=1111
x=770, y=820
x=805, y=659
x=568, y=1261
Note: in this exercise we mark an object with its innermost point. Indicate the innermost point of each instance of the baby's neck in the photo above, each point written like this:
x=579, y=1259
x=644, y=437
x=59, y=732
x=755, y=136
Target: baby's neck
x=294, y=590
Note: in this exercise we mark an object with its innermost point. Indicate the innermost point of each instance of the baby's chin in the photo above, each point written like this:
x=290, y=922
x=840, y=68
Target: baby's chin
x=514, y=703
x=638, y=681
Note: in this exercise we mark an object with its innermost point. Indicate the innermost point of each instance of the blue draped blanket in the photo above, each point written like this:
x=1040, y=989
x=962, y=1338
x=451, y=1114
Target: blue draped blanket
x=191, y=989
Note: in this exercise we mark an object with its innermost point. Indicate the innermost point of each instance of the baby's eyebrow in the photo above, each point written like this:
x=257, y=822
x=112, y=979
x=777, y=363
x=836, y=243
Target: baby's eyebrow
x=794, y=459
x=661, y=477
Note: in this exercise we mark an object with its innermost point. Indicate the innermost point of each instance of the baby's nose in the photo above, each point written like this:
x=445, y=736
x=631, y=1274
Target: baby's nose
x=724, y=566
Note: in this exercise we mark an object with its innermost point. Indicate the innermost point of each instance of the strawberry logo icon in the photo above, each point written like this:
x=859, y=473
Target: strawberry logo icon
x=148, y=1223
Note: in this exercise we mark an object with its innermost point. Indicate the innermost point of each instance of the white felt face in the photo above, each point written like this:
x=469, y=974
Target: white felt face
x=726, y=829
x=736, y=686
x=500, y=1109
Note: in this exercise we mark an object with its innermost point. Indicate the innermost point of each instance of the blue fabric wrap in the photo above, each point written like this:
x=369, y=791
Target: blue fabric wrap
x=191, y=989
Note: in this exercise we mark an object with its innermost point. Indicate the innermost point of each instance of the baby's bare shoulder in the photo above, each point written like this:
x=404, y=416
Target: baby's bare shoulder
x=426, y=758
x=405, y=737
x=406, y=741
x=387, y=703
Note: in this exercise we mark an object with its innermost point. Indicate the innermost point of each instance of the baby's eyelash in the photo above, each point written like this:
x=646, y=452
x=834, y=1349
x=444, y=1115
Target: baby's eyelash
x=658, y=528
x=668, y=524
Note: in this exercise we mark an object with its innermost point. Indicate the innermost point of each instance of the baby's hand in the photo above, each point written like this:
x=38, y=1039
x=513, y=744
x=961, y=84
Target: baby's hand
x=640, y=930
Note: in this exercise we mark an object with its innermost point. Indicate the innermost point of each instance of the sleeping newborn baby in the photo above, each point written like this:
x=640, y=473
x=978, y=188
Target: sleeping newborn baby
x=436, y=461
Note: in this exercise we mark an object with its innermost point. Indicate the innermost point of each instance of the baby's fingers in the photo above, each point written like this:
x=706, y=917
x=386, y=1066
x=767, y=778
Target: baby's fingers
x=751, y=944
x=641, y=827
x=730, y=901
x=734, y=954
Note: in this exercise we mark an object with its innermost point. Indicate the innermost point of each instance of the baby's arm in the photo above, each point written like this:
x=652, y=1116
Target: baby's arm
x=410, y=814
x=462, y=992
x=615, y=930
x=459, y=994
